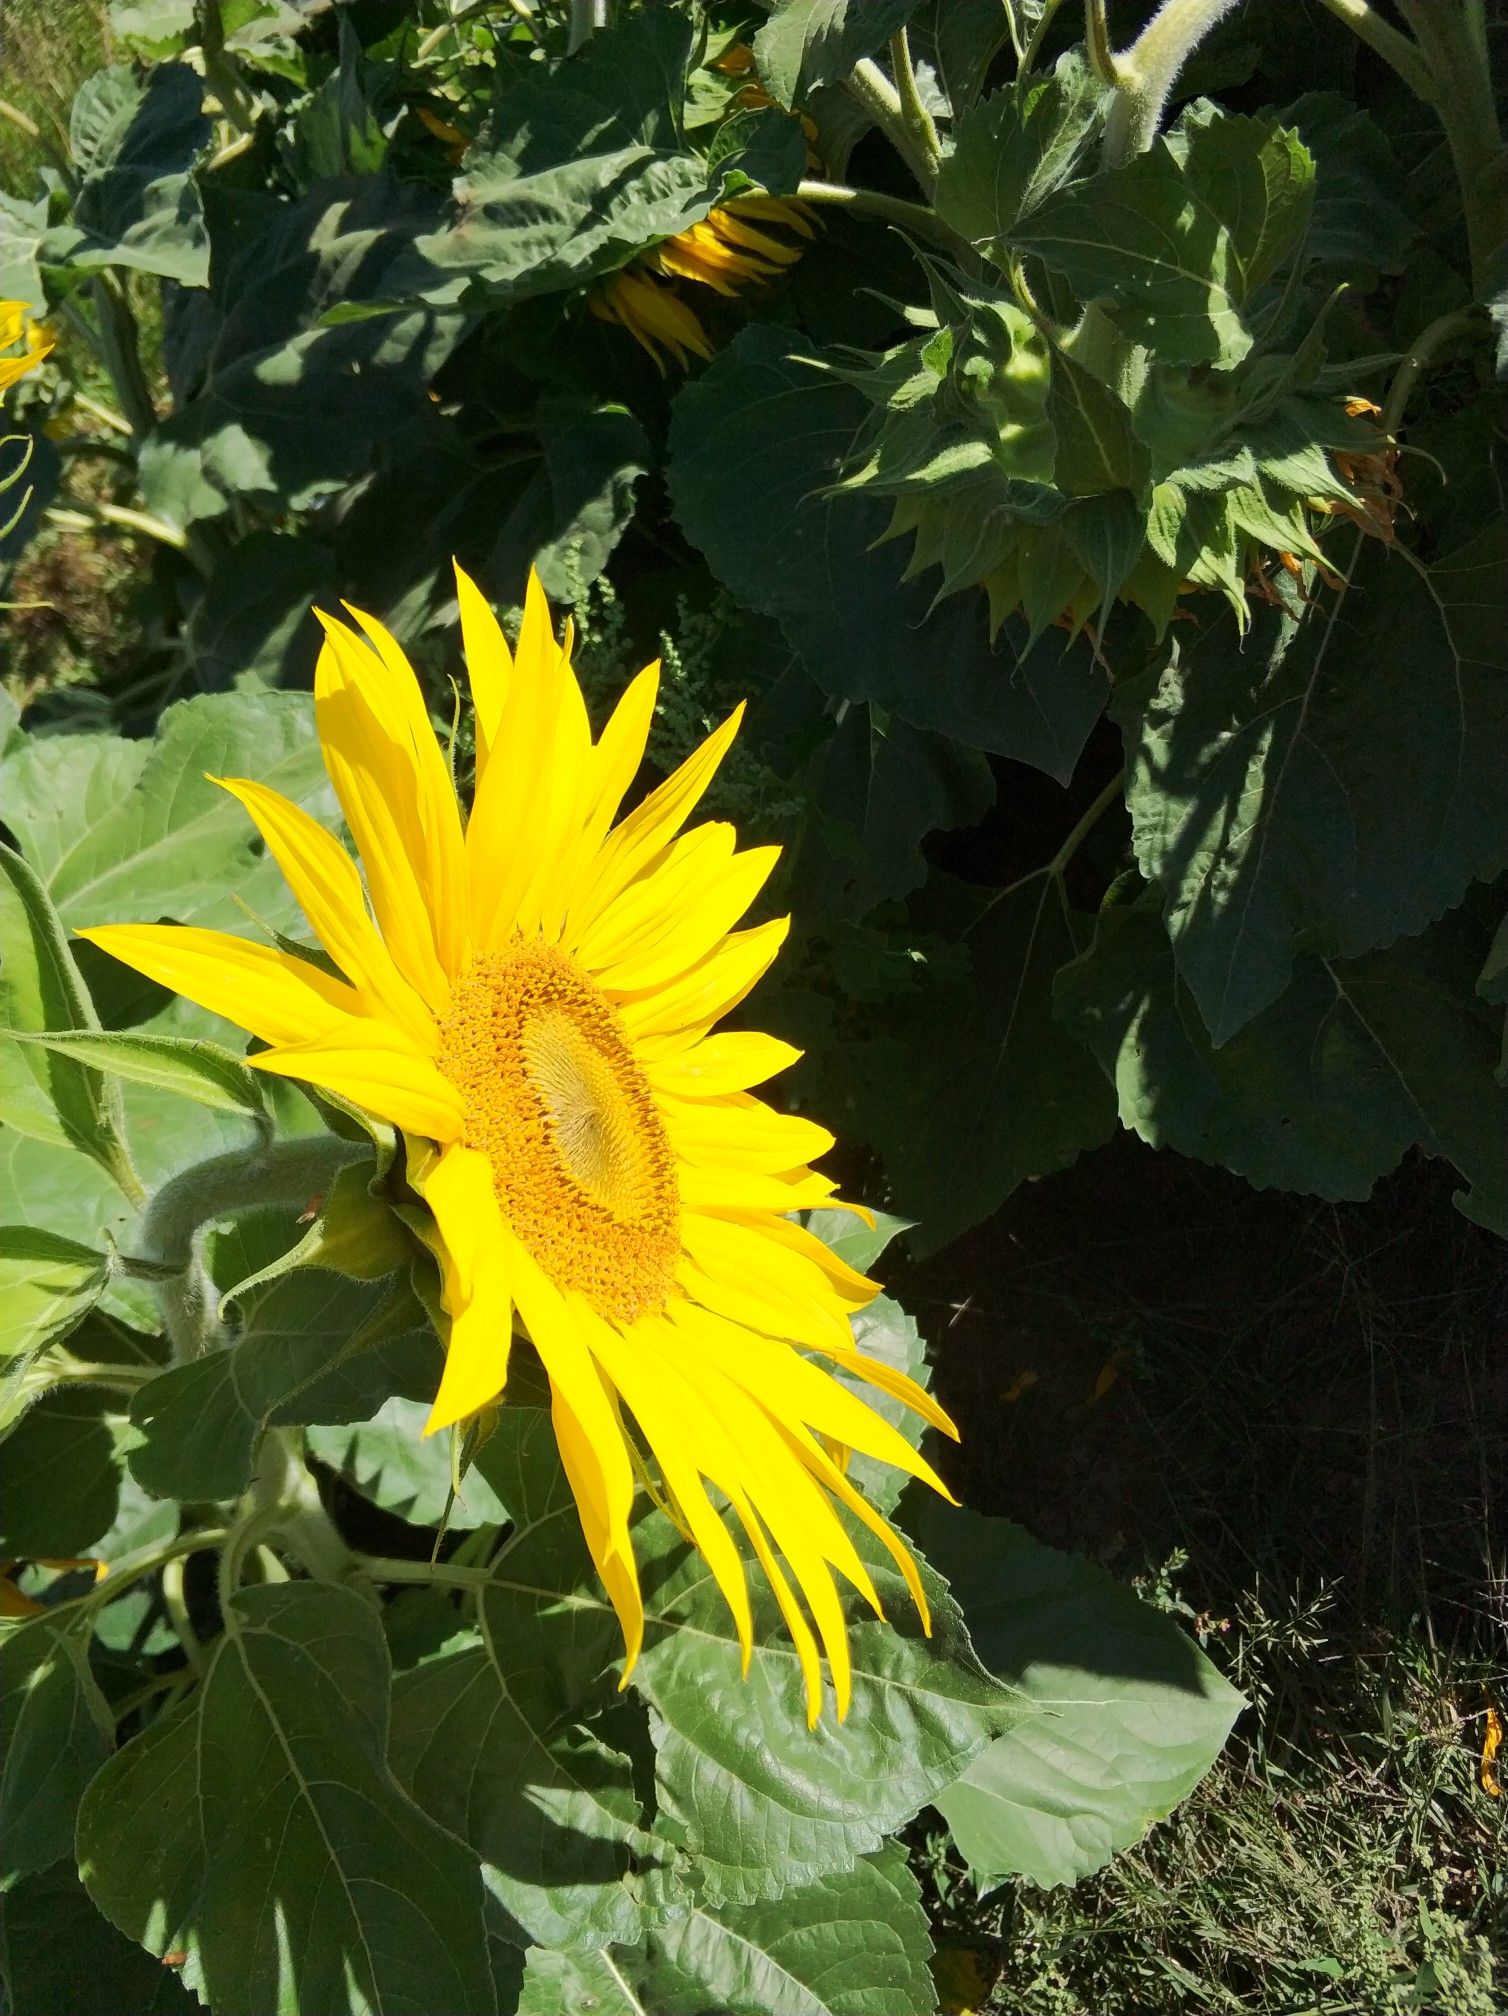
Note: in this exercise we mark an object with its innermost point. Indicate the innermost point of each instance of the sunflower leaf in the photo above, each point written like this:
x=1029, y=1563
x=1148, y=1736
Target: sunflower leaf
x=58, y=1952
x=1334, y=782
x=48, y=1284
x=853, y=1943
x=1324, y=1091
x=55, y=1732
x=757, y=442
x=314, y=1346
x=258, y=1830
x=1130, y=1712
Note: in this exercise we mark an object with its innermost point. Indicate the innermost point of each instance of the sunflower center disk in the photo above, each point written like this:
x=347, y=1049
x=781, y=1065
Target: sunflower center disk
x=555, y=1101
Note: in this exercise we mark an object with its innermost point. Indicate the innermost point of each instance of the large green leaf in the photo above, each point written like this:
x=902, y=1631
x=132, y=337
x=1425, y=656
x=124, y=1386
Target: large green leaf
x=979, y=1088
x=48, y=1284
x=1180, y=239
x=55, y=1732
x=258, y=1829
x=1332, y=783
x=876, y=788
x=314, y=1346
x=756, y=443
x=1129, y=1712
x=135, y=831
x=581, y=167
x=60, y=1475
x=1324, y=1091
x=57, y=1953
x=135, y=137
x=1016, y=147
x=850, y=1944
x=805, y=43
x=49, y=1096
x=391, y=1461
x=185, y=1066
x=265, y=419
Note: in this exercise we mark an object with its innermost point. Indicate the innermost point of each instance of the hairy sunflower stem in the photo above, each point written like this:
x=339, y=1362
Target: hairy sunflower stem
x=1417, y=360
x=272, y=1172
x=919, y=121
x=381, y=1568
x=871, y=88
x=1390, y=43
x=1145, y=74
x=283, y=1502
x=913, y=217
x=587, y=16
x=118, y=339
x=1452, y=39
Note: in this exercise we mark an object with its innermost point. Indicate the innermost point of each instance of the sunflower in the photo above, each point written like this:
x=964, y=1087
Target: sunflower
x=531, y=1000
x=727, y=251
x=17, y=329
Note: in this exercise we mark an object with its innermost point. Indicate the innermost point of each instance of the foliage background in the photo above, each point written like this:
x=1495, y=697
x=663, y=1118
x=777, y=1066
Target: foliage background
x=998, y=968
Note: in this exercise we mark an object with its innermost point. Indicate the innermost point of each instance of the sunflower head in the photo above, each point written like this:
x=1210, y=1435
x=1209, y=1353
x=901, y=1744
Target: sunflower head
x=529, y=989
x=731, y=249
x=23, y=342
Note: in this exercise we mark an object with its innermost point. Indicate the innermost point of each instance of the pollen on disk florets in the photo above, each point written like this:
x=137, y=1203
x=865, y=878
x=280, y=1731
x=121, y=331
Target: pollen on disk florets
x=556, y=1102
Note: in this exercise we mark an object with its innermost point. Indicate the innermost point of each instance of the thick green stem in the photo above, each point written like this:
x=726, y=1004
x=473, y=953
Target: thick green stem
x=919, y=121
x=284, y=1501
x=119, y=347
x=1454, y=48
x=1144, y=74
x=277, y=1172
x=1420, y=352
x=913, y=217
x=868, y=84
x=1386, y=41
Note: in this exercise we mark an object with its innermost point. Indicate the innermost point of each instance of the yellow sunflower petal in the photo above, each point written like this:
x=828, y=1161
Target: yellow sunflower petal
x=712, y=988
x=730, y=1269
x=631, y=847
x=457, y=1186
x=489, y=663
x=529, y=799
x=590, y=1436
x=731, y=1061
x=740, y=1131
x=376, y=1070
x=395, y=791
x=324, y=879
x=684, y=934
x=276, y=996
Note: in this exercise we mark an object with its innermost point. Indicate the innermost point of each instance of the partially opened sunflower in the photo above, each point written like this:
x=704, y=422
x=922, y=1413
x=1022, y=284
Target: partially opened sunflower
x=23, y=343
x=531, y=999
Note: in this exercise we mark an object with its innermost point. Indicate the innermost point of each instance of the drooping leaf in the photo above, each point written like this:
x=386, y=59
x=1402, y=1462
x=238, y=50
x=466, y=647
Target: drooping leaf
x=391, y=1461
x=135, y=137
x=1325, y=1090
x=58, y=1953
x=1016, y=147
x=988, y=1088
x=55, y=1732
x=877, y=787
x=1129, y=1714
x=262, y=422
x=1333, y=783
x=756, y=443
x=805, y=43
x=184, y=1066
x=579, y=169
x=51, y=1097
x=47, y=1285
x=314, y=1346
x=60, y=1476
x=257, y=1829
x=1180, y=239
